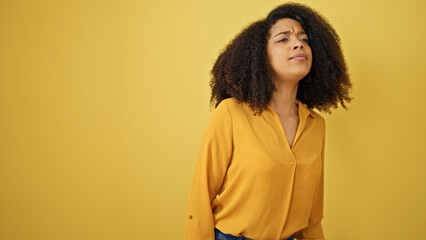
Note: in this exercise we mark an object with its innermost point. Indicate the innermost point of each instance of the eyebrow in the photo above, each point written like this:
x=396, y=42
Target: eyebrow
x=287, y=32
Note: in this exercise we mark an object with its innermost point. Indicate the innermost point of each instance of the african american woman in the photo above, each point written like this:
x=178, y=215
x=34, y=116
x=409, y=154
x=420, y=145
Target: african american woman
x=260, y=168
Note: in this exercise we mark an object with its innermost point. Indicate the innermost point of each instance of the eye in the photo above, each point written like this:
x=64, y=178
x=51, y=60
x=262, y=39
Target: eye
x=305, y=40
x=283, y=40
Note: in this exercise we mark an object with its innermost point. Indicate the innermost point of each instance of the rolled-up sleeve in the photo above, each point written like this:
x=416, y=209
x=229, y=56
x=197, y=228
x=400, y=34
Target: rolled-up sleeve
x=210, y=169
x=314, y=229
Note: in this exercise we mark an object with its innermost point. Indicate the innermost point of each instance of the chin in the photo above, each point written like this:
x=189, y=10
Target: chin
x=299, y=75
x=294, y=76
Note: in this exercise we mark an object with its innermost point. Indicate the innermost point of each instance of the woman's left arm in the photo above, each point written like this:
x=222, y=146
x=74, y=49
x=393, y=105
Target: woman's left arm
x=314, y=229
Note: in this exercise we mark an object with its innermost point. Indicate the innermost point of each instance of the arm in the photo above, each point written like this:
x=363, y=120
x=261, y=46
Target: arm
x=314, y=229
x=212, y=163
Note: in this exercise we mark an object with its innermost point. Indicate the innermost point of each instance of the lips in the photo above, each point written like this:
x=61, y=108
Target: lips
x=299, y=57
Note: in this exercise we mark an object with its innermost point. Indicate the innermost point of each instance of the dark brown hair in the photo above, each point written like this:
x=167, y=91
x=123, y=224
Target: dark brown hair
x=243, y=71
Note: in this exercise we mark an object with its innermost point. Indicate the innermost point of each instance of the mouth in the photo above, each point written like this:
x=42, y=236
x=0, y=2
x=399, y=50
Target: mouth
x=300, y=57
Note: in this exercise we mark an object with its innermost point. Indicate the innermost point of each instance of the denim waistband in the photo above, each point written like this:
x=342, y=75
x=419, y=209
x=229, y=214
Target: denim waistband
x=222, y=236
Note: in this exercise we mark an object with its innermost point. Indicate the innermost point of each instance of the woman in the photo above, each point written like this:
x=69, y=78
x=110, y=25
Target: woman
x=260, y=169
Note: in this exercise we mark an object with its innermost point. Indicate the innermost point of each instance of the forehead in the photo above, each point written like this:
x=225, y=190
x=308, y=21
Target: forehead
x=286, y=24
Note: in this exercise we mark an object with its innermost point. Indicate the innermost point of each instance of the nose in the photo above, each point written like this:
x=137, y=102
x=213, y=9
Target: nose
x=298, y=44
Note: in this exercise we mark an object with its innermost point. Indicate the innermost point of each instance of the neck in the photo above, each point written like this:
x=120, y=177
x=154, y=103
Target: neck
x=284, y=99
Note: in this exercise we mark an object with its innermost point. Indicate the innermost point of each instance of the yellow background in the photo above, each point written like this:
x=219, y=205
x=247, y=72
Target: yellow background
x=104, y=103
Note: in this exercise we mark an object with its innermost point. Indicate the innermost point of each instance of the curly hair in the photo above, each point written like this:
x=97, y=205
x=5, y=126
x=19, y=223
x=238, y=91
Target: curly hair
x=243, y=71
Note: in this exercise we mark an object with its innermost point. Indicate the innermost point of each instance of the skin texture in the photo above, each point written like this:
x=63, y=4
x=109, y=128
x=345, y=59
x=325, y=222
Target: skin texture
x=244, y=71
x=282, y=46
x=288, y=38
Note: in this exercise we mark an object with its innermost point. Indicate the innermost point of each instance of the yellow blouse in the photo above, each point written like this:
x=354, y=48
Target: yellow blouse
x=249, y=182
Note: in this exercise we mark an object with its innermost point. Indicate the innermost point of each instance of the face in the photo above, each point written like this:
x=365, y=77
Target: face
x=288, y=50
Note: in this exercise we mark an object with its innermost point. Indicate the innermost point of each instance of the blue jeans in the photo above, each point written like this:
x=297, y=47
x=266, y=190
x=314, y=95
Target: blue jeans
x=222, y=236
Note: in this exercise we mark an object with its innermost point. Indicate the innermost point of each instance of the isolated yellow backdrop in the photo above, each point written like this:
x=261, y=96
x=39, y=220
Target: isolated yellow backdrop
x=104, y=103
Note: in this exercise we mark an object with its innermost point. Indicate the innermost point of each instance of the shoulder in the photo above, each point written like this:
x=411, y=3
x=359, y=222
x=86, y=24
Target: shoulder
x=231, y=102
x=222, y=111
x=316, y=115
x=220, y=119
x=232, y=105
x=233, y=110
x=318, y=118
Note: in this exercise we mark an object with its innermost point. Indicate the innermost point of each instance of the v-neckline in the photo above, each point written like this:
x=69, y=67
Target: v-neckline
x=300, y=125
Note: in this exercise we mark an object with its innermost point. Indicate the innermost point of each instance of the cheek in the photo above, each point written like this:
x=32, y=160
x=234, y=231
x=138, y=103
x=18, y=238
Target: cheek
x=277, y=60
x=272, y=60
x=311, y=57
x=278, y=66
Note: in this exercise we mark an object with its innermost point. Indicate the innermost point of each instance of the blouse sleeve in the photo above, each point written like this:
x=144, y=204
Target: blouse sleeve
x=314, y=229
x=211, y=165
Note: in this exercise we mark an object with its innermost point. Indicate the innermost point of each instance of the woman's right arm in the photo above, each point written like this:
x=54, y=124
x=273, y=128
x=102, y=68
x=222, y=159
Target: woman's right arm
x=212, y=163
